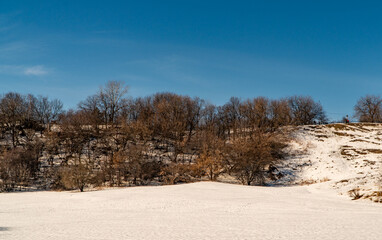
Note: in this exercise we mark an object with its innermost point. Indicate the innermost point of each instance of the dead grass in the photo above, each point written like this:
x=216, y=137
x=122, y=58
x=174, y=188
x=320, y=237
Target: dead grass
x=369, y=162
x=342, y=134
x=322, y=136
x=375, y=196
x=325, y=179
x=313, y=181
x=365, y=141
x=366, y=124
x=343, y=181
x=376, y=151
x=351, y=126
x=345, y=153
x=359, y=140
x=307, y=182
x=361, y=152
x=339, y=126
x=352, y=152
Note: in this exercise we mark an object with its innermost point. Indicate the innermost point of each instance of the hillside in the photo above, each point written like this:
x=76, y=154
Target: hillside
x=324, y=162
x=348, y=156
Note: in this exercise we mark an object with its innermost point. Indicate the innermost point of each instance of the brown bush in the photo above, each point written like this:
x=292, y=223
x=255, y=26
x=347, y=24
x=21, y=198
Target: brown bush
x=17, y=167
x=74, y=177
x=248, y=158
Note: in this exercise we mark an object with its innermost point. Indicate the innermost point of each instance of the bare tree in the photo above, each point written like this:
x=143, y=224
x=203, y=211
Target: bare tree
x=229, y=117
x=111, y=100
x=12, y=114
x=210, y=159
x=75, y=137
x=305, y=110
x=139, y=119
x=369, y=109
x=248, y=158
x=194, y=109
x=173, y=138
x=255, y=114
x=170, y=123
x=139, y=168
x=91, y=108
x=280, y=113
x=47, y=110
x=17, y=167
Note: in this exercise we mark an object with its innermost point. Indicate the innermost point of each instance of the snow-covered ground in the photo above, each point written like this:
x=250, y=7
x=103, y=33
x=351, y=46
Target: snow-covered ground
x=205, y=210
x=349, y=156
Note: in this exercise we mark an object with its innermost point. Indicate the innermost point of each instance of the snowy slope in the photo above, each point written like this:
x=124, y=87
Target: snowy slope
x=349, y=156
x=336, y=158
x=205, y=210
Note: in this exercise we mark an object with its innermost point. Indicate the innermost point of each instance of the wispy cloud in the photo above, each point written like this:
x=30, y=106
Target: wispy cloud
x=38, y=70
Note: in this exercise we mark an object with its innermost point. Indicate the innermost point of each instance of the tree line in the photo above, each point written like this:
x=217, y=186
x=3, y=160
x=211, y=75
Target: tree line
x=111, y=139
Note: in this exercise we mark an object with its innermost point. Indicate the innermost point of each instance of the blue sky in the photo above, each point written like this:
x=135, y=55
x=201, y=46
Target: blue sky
x=330, y=50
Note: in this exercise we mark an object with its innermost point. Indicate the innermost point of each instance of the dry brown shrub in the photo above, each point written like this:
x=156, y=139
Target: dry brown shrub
x=355, y=193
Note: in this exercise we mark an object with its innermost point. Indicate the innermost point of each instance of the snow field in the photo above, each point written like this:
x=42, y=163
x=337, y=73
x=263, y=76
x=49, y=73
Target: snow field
x=205, y=210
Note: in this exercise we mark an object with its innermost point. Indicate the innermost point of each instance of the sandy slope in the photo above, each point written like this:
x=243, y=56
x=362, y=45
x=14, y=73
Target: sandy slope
x=191, y=211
